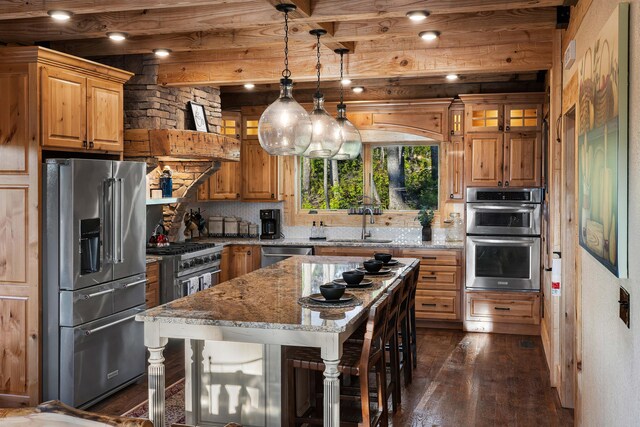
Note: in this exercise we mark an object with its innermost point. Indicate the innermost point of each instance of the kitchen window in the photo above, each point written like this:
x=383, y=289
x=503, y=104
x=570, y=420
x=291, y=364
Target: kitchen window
x=403, y=177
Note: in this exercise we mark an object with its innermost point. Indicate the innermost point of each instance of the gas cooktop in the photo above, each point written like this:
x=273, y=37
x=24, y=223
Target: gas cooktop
x=179, y=248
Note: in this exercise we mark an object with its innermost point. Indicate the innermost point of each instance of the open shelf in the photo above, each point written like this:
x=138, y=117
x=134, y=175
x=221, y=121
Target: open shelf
x=164, y=201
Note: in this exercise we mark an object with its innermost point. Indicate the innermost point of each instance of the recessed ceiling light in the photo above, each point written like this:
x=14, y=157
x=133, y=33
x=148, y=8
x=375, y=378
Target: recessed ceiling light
x=345, y=81
x=451, y=77
x=417, y=15
x=162, y=53
x=357, y=89
x=60, y=15
x=117, y=36
x=249, y=86
x=429, y=35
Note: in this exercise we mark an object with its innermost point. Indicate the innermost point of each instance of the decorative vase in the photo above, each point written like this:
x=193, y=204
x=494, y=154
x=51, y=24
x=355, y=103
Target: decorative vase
x=426, y=233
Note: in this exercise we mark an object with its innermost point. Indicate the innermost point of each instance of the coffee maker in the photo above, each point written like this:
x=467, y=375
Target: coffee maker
x=270, y=219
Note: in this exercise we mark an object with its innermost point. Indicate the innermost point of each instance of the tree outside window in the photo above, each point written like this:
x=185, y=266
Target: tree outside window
x=405, y=177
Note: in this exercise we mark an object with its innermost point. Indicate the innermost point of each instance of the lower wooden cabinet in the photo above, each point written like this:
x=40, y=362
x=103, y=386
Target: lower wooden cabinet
x=437, y=305
x=503, y=307
x=152, y=290
x=243, y=259
x=225, y=264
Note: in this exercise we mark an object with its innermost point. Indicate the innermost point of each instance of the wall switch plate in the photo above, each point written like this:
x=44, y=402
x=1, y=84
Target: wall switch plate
x=625, y=306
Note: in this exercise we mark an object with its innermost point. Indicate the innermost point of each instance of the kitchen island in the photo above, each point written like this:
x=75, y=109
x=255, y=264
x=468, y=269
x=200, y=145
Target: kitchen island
x=247, y=320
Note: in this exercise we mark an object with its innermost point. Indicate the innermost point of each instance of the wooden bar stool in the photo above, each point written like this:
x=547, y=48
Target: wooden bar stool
x=411, y=320
x=391, y=343
x=359, y=359
x=404, y=346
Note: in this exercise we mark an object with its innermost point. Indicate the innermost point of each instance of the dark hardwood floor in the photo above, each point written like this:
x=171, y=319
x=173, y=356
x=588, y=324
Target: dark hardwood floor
x=462, y=379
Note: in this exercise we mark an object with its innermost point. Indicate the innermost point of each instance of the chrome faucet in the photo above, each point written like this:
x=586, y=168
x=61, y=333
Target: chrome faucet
x=366, y=234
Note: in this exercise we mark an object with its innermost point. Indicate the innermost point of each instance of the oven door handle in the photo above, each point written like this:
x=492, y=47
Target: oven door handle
x=519, y=208
x=522, y=242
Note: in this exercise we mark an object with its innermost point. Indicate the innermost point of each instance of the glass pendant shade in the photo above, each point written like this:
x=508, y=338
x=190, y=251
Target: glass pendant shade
x=352, y=141
x=285, y=128
x=326, y=136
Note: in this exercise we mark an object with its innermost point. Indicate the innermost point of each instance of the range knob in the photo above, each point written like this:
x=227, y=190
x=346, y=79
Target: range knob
x=218, y=256
x=207, y=259
x=185, y=264
x=199, y=261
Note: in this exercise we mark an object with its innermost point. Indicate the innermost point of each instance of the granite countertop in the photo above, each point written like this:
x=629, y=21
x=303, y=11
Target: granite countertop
x=153, y=258
x=268, y=298
x=411, y=244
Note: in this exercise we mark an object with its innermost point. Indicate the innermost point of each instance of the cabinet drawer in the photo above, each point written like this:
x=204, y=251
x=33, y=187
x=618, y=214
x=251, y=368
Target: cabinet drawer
x=443, y=278
x=152, y=296
x=431, y=257
x=501, y=307
x=438, y=305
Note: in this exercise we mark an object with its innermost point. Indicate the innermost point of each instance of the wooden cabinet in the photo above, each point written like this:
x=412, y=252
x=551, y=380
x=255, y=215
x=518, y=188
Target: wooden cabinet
x=44, y=104
x=484, y=157
x=438, y=296
x=244, y=259
x=454, y=152
x=503, y=145
x=522, y=159
x=510, y=159
x=80, y=112
x=223, y=184
x=259, y=173
x=152, y=289
x=503, y=307
x=225, y=265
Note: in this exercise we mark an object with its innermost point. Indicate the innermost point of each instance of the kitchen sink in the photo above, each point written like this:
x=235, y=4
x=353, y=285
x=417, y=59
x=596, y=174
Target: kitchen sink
x=359, y=241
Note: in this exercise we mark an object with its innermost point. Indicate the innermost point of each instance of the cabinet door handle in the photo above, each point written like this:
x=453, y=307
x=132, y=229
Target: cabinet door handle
x=273, y=196
x=452, y=132
x=429, y=277
x=506, y=183
x=248, y=252
x=499, y=183
x=500, y=127
x=429, y=305
x=508, y=128
x=90, y=144
x=237, y=195
x=84, y=144
x=429, y=257
x=451, y=196
x=502, y=308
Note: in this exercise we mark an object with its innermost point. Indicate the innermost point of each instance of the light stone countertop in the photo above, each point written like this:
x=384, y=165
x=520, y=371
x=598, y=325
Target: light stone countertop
x=412, y=244
x=268, y=298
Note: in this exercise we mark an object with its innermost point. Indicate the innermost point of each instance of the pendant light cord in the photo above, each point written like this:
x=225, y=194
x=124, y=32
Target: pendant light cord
x=318, y=65
x=341, y=76
x=286, y=73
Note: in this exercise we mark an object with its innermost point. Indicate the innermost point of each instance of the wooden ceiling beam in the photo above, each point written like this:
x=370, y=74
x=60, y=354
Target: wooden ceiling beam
x=38, y=8
x=514, y=57
x=146, y=24
x=207, y=41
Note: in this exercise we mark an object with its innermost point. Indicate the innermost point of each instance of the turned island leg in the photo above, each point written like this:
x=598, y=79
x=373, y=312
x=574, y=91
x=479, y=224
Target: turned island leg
x=331, y=393
x=155, y=344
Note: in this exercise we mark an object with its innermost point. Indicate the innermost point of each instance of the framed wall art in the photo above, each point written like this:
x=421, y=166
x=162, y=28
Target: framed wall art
x=199, y=116
x=603, y=76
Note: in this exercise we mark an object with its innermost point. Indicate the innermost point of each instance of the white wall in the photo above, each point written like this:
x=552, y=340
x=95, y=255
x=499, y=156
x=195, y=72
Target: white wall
x=611, y=352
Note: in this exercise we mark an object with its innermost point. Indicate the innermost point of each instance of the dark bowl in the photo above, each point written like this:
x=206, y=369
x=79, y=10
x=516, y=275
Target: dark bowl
x=332, y=291
x=372, y=265
x=381, y=256
x=353, y=277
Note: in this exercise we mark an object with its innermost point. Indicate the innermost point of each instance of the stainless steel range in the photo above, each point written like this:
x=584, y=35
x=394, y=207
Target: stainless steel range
x=186, y=268
x=503, y=238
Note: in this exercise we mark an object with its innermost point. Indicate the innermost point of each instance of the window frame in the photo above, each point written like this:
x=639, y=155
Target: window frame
x=389, y=217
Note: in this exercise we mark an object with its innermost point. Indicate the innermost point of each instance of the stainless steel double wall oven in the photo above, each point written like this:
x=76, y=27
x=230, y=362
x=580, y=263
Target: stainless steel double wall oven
x=503, y=238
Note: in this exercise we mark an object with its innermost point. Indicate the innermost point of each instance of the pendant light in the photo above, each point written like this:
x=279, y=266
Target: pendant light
x=326, y=137
x=352, y=141
x=284, y=129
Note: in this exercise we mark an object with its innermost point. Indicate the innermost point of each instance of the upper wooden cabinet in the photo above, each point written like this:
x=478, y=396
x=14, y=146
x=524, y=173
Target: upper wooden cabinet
x=454, y=155
x=80, y=112
x=503, y=145
x=259, y=173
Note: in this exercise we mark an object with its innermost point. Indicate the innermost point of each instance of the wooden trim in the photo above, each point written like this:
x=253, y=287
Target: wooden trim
x=501, y=328
x=180, y=144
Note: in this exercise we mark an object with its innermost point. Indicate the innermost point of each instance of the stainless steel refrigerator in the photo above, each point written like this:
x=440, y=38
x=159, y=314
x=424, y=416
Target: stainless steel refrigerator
x=94, y=278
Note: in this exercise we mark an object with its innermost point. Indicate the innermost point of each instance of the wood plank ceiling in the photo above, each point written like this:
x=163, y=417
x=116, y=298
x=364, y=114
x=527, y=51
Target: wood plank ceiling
x=229, y=42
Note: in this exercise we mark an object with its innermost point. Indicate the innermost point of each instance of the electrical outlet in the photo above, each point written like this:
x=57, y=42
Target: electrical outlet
x=625, y=306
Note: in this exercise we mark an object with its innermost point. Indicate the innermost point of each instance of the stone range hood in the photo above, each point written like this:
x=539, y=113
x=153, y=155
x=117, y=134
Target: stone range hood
x=192, y=156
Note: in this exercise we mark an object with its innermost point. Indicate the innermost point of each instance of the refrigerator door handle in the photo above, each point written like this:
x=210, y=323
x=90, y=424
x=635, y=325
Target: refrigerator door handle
x=117, y=221
x=108, y=220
